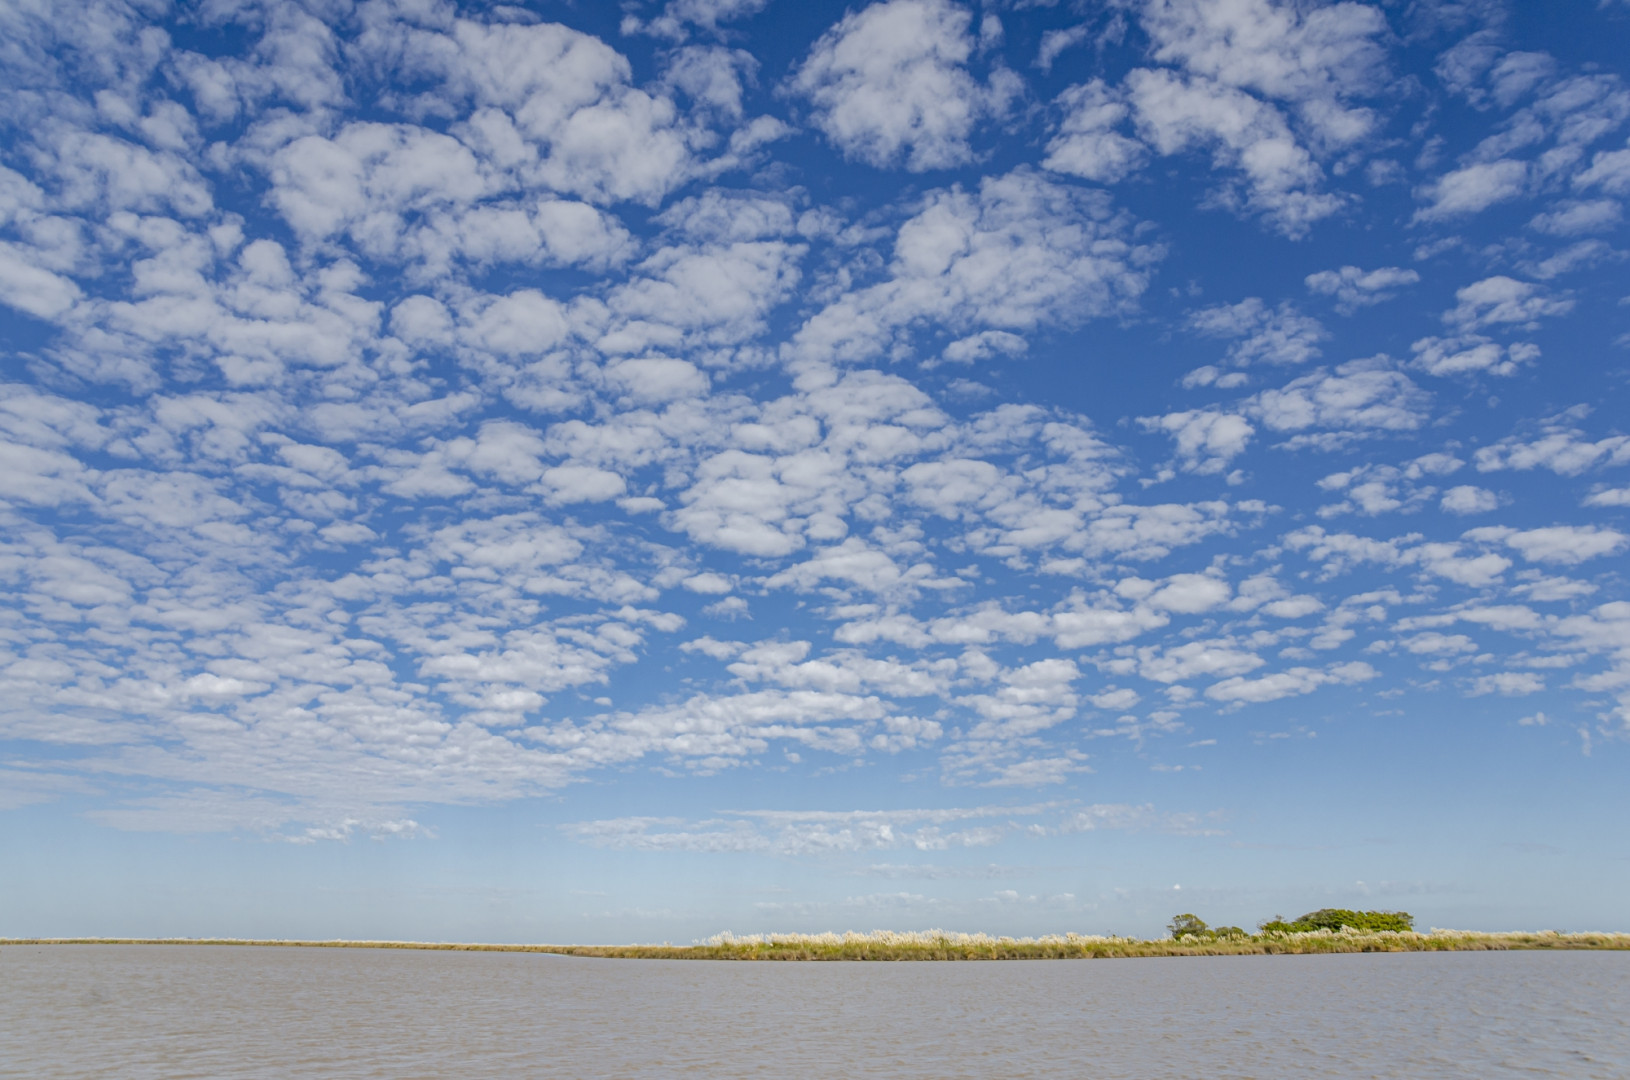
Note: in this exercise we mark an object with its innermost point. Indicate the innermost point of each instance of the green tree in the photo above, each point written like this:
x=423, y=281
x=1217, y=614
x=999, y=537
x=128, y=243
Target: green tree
x=1336, y=918
x=1188, y=925
x=1372, y=921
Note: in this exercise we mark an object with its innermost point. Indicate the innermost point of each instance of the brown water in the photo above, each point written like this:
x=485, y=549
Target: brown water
x=176, y=1012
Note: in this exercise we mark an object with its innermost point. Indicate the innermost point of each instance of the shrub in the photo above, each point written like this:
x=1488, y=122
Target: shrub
x=1336, y=918
x=1188, y=925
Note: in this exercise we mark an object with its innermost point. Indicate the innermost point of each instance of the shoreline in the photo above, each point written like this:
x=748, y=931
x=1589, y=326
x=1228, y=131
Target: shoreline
x=934, y=945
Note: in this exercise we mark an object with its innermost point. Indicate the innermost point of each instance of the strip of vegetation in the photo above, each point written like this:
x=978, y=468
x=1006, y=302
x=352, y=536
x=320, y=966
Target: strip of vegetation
x=1189, y=925
x=948, y=945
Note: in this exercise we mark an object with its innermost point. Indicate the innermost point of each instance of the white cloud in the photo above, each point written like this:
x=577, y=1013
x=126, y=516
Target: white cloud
x=650, y=379
x=1574, y=217
x=546, y=105
x=1313, y=61
x=1281, y=178
x=678, y=16
x=1563, y=450
x=1206, y=440
x=1028, y=700
x=709, y=732
x=1501, y=300
x=788, y=834
x=1196, y=659
x=369, y=171
x=1127, y=816
x=1433, y=643
x=524, y=322
x=1087, y=144
x=1469, y=499
x=103, y=174
x=984, y=345
x=1445, y=560
x=1468, y=354
x=1569, y=544
x=854, y=562
x=1359, y=394
x=1340, y=552
x=1189, y=594
x=1211, y=375
x=1354, y=288
x=1568, y=111
x=1304, y=55
x=1020, y=254
x=1609, y=170
x=1471, y=189
x=402, y=192
x=1081, y=624
x=890, y=85
x=715, y=295
x=1055, y=42
x=1462, y=67
x=31, y=288
x=1376, y=489
x=824, y=832
x=728, y=216
x=1288, y=683
x=1609, y=497
x=1508, y=683
x=1476, y=68
x=1279, y=335
x=1115, y=700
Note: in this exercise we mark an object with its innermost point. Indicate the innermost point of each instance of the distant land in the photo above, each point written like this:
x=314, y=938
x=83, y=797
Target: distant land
x=946, y=945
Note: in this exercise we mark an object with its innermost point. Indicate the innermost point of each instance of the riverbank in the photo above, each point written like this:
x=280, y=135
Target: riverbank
x=945, y=945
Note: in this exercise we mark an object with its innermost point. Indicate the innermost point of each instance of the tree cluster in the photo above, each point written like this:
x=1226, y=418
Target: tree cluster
x=1189, y=925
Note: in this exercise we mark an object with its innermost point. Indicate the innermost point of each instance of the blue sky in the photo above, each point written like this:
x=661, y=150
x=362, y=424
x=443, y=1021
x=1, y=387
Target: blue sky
x=579, y=472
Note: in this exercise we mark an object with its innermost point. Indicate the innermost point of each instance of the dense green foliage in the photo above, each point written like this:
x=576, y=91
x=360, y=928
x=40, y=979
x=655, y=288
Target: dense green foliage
x=1337, y=918
x=1187, y=925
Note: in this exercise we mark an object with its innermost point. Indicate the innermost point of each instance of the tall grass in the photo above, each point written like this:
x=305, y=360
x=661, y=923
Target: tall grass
x=951, y=945
x=900, y=939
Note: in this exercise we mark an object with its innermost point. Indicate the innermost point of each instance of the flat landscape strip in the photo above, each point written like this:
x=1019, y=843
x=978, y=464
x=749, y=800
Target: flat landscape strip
x=886, y=946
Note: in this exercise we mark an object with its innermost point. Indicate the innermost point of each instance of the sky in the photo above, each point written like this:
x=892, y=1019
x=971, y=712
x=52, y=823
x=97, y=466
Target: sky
x=580, y=472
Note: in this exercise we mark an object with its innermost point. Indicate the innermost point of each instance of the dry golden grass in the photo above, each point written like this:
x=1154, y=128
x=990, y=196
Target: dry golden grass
x=948, y=945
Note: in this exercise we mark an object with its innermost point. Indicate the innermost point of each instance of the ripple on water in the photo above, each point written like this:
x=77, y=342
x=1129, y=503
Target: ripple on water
x=177, y=1012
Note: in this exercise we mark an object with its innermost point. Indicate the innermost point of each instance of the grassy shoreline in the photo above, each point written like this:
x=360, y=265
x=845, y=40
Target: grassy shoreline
x=942, y=945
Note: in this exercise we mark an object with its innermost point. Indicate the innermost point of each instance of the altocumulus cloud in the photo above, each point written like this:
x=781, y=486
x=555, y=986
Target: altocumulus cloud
x=414, y=405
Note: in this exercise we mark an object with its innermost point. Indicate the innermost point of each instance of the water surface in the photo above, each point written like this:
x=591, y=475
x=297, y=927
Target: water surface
x=177, y=1012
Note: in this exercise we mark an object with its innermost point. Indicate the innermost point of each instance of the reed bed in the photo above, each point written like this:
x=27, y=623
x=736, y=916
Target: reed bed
x=950, y=945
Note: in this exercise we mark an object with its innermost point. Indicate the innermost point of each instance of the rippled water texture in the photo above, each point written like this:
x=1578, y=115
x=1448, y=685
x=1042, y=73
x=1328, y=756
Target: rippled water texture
x=215, y=1011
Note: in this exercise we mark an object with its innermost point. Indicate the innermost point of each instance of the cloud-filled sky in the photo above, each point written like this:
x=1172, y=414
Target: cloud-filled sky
x=599, y=472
